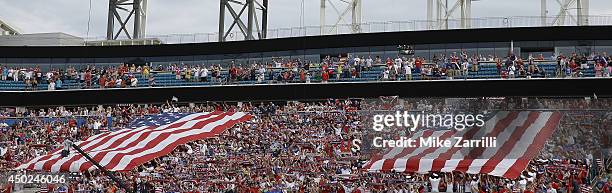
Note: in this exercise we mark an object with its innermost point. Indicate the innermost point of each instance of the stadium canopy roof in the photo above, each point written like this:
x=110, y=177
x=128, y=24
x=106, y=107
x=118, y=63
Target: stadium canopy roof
x=5, y=27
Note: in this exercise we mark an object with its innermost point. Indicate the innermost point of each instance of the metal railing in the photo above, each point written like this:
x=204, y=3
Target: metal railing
x=389, y=26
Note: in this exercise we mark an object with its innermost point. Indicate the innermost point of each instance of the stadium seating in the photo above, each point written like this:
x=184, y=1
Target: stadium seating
x=487, y=70
x=312, y=156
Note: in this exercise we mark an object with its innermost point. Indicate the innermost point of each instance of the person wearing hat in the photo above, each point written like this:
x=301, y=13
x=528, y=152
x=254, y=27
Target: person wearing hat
x=434, y=180
x=474, y=184
x=522, y=183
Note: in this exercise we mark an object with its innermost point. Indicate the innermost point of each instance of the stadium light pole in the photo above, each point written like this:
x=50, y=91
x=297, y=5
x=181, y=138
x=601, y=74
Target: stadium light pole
x=322, y=17
x=352, y=8
x=430, y=10
x=136, y=10
x=444, y=12
x=446, y=15
x=581, y=7
x=543, y=13
x=106, y=172
x=247, y=22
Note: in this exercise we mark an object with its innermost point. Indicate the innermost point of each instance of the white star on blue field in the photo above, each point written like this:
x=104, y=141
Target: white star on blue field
x=156, y=120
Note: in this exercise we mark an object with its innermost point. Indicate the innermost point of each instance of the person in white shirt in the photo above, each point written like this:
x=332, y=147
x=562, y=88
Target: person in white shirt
x=511, y=70
x=51, y=85
x=196, y=74
x=261, y=73
x=28, y=75
x=386, y=74
x=49, y=76
x=408, y=71
x=449, y=183
x=434, y=179
x=522, y=183
x=397, y=64
x=530, y=176
x=133, y=82
x=118, y=82
x=467, y=186
x=97, y=125
x=16, y=75
x=82, y=76
x=369, y=62
x=277, y=64
x=474, y=185
x=204, y=74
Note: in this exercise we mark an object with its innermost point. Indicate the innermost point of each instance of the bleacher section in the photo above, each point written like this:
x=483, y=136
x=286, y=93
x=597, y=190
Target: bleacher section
x=487, y=70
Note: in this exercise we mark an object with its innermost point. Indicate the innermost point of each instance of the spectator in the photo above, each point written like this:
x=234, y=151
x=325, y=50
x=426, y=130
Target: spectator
x=146, y=72
x=58, y=84
x=498, y=65
x=177, y=73
x=474, y=61
x=51, y=85
x=408, y=71
x=324, y=76
x=511, y=71
x=5, y=72
x=34, y=82
x=341, y=68
x=133, y=81
x=204, y=74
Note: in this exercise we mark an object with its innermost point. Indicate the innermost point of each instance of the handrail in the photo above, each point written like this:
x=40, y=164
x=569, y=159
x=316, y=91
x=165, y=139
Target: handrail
x=380, y=26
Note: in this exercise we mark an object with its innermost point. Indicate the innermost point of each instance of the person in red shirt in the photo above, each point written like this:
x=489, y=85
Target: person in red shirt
x=389, y=62
x=233, y=73
x=582, y=176
x=574, y=67
x=111, y=83
x=418, y=63
x=72, y=123
x=554, y=185
x=498, y=65
x=102, y=81
x=529, y=190
x=88, y=79
x=178, y=73
x=302, y=75
x=325, y=76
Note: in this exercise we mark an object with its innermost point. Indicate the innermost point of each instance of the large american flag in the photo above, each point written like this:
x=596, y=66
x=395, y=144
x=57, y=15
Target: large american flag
x=147, y=138
x=520, y=137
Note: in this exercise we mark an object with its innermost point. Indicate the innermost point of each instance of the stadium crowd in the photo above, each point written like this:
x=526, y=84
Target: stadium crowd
x=302, y=147
x=279, y=70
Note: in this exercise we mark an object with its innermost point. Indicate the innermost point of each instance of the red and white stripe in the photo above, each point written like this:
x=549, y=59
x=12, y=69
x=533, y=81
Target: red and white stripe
x=586, y=188
x=126, y=149
x=520, y=137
